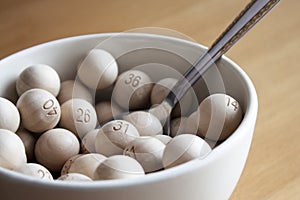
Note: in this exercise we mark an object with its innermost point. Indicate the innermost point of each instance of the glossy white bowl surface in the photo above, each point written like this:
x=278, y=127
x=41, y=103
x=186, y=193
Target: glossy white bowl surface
x=213, y=178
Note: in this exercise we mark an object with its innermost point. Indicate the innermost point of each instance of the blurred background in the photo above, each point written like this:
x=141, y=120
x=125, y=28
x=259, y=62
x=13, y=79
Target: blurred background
x=268, y=53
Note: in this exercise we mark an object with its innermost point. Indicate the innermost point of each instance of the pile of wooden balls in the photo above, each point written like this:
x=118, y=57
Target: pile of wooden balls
x=53, y=130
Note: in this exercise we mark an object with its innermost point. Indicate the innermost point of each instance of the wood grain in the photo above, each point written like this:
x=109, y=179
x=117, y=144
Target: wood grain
x=269, y=54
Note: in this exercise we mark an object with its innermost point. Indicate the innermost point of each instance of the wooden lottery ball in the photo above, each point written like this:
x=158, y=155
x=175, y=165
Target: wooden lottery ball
x=192, y=123
x=220, y=115
x=132, y=90
x=29, y=141
x=118, y=167
x=148, y=151
x=146, y=123
x=162, y=88
x=78, y=116
x=74, y=177
x=98, y=70
x=163, y=138
x=38, y=76
x=211, y=143
x=55, y=147
x=88, y=142
x=9, y=115
x=39, y=109
x=178, y=126
x=12, y=150
x=71, y=89
x=35, y=170
x=106, y=110
x=114, y=136
x=85, y=164
x=68, y=163
x=184, y=148
x=161, y=111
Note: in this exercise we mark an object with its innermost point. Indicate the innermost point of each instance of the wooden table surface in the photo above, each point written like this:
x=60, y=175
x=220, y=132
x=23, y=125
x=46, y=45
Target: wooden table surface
x=269, y=53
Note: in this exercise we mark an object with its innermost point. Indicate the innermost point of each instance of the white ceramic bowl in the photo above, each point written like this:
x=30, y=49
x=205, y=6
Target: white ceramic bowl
x=213, y=178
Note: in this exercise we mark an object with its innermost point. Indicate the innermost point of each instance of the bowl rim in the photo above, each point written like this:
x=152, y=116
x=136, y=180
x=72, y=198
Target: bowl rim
x=250, y=113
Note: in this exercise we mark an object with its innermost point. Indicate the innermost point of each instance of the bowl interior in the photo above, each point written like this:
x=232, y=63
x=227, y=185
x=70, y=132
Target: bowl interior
x=152, y=53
